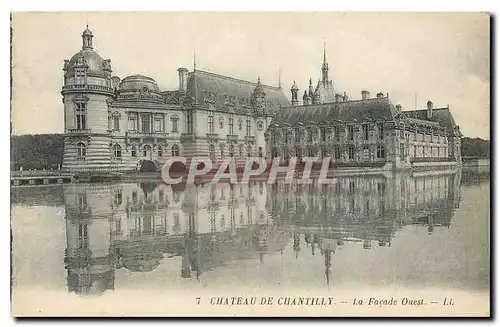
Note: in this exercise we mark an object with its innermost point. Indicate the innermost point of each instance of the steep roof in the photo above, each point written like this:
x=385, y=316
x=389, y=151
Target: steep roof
x=326, y=91
x=442, y=116
x=223, y=89
x=349, y=111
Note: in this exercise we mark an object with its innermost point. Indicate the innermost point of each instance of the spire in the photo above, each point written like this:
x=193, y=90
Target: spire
x=87, y=38
x=194, y=59
x=324, y=67
x=279, y=77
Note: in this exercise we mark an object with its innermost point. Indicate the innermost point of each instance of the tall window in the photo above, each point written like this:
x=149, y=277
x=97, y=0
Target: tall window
x=381, y=130
x=365, y=132
x=211, y=122
x=116, y=123
x=323, y=133
x=146, y=151
x=350, y=132
x=231, y=151
x=380, y=152
x=175, y=150
x=231, y=124
x=260, y=152
x=222, y=154
x=132, y=123
x=248, y=127
x=158, y=124
x=117, y=152
x=175, y=120
x=249, y=151
x=146, y=123
x=309, y=135
x=240, y=150
x=81, y=115
x=160, y=151
x=402, y=151
x=336, y=131
x=336, y=152
x=211, y=151
x=297, y=135
x=350, y=152
x=81, y=152
x=133, y=152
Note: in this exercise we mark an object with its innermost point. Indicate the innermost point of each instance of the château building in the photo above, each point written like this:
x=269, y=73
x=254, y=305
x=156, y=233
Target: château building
x=114, y=124
x=366, y=132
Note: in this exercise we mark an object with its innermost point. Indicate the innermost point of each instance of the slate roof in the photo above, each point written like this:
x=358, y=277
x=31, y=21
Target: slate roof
x=349, y=111
x=442, y=116
x=220, y=88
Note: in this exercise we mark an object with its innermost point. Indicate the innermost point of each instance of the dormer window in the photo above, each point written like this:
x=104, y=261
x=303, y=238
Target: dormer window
x=80, y=76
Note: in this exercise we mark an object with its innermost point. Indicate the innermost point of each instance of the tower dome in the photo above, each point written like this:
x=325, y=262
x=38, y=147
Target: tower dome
x=139, y=83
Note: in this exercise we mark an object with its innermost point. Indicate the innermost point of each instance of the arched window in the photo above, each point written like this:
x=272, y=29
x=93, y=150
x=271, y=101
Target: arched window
x=160, y=151
x=146, y=151
x=231, y=150
x=133, y=151
x=249, y=151
x=380, y=152
x=81, y=151
x=117, y=152
x=175, y=150
x=211, y=151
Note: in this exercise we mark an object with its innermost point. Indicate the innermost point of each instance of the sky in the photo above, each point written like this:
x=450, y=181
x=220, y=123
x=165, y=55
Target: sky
x=414, y=57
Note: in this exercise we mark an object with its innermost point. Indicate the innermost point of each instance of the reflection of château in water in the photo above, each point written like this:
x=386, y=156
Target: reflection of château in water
x=136, y=226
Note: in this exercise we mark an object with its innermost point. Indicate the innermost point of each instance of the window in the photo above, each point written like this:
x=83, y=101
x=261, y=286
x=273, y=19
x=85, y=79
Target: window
x=231, y=151
x=211, y=151
x=211, y=122
x=221, y=122
x=132, y=123
x=80, y=76
x=118, y=197
x=231, y=125
x=248, y=127
x=380, y=152
x=381, y=131
x=240, y=124
x=175, y=150
x=323, y=133
x=240, y=150
x=336, y=152
x=116, y=123
x=336, y=131
x=117, y=152
x=160, y=151
x=134, y=197
x=146, y=123
x=81, y=115
x=297, y=135
x=402, y=151
x=350, y=152
x=133, y=152
x=249, y=151
x=158, y=124
x=350, y=132
x=174, y=120
x=189, y=121
x=365, y=132
x=81, y=152
x=260, y=152
x=310, y=136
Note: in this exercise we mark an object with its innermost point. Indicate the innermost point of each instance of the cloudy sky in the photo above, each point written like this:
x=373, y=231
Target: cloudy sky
x=441, y=57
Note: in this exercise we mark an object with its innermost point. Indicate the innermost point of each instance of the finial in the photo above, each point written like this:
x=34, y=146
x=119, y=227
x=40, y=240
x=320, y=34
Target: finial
x=324, y=52
x=279, y=78
x=258, y=80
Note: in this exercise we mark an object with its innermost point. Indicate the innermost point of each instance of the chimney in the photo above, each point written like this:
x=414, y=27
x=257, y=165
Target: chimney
x=365, y=95
x=429, y=109
x=345, y=97
x=183, y=75
x=380, y=95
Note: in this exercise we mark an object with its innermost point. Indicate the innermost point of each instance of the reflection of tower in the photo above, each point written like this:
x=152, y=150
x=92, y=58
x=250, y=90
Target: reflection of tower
x=328, y=246
x=296, y=244
x=88, y=259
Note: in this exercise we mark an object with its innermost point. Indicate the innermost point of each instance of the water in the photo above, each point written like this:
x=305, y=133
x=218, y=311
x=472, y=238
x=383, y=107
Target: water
x=400, y=230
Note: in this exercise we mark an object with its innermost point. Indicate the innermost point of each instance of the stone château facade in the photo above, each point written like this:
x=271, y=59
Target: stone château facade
x=114, y=124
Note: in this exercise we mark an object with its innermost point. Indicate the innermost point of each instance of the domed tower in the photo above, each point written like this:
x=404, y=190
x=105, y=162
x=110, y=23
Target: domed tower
x=86, y=92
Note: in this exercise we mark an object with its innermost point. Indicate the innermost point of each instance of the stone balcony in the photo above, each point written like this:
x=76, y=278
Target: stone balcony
x=79, y=131
x=232, y=138
x=212, y=137
x=250, y=138
x=145, y=134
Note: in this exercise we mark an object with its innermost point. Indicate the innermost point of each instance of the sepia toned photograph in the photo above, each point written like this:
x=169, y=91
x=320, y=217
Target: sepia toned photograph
x=250, y=164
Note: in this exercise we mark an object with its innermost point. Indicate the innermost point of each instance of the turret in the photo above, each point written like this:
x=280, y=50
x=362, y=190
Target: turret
x=259, y=99
x=305, y=98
